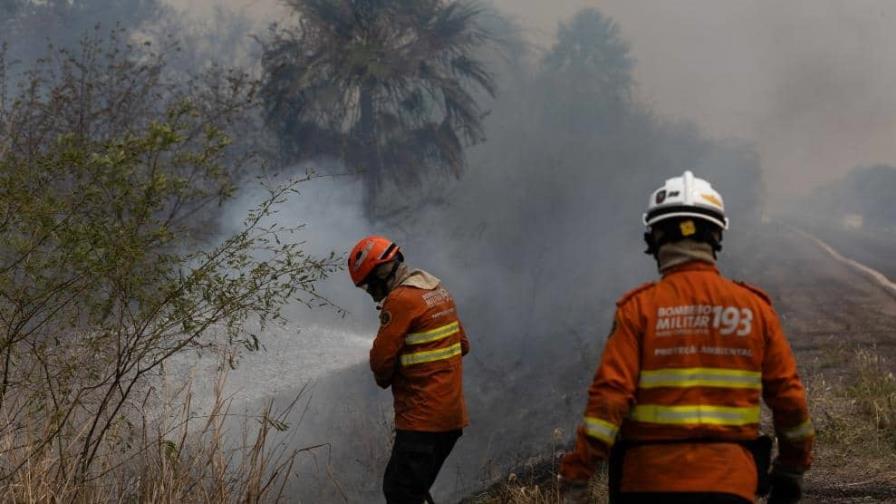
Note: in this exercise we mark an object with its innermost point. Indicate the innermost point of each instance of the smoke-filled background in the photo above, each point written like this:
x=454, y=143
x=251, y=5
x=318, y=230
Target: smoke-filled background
x=808, y=83
x=597, y=103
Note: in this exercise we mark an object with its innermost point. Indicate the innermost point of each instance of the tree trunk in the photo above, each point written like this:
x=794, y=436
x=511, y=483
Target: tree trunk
x=372, y=162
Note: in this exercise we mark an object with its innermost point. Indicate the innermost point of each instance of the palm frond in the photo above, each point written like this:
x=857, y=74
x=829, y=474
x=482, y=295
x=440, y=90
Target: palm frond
x=416, y=62
x=466, y=67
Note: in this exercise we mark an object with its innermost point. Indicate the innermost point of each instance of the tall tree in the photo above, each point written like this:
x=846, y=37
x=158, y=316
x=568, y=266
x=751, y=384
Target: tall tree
x=591, y=69
x=591, y=42
x=386, y=86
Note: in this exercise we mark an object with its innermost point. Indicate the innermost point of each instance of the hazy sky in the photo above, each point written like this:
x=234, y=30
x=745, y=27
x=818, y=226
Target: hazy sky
x=811, y=82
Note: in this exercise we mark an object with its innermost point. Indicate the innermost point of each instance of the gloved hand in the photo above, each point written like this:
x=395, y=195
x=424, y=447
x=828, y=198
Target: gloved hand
x=786, y=486
x=574, y=492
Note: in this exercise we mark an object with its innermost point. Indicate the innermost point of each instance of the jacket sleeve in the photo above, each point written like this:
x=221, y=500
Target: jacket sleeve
x=396, y=317
x=609, y=398
x=784, y=393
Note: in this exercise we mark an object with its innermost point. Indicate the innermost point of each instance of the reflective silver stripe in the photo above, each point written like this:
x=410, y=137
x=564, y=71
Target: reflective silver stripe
x=601, y=429
x=363, y=255
x=701, y=377
x=432, y=335
x=800, y=432
x=431, y=355
x=695, y=414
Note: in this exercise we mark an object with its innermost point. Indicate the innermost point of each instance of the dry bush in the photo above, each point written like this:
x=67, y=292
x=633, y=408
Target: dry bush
x=109, y=174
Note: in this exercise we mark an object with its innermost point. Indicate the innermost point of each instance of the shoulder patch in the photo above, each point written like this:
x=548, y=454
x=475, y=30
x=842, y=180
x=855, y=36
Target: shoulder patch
x=755, y=290
x=630, y=294
x=385, y=318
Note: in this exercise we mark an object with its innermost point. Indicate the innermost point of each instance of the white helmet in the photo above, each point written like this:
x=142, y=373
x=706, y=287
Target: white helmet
x=686, y=196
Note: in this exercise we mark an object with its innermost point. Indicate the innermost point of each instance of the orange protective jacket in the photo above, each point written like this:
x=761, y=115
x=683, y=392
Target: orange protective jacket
x=688, y=358
x=418, y=352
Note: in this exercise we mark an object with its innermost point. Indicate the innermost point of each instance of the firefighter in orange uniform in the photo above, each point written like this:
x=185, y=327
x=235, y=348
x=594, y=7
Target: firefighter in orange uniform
x=417, y=352
x=674, y=404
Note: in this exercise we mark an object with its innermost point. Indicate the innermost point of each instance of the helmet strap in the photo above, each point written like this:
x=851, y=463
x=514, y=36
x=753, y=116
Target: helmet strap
x=391, y=275
x=653, y=245
x=656, y=238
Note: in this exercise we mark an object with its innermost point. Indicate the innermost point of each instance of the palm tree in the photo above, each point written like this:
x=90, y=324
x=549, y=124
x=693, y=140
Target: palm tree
x=385, y=86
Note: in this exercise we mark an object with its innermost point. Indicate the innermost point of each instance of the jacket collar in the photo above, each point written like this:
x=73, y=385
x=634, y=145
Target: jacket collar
x=694, y=265
x=412, y=277
x=420, y=279
x=676, y=253
x=407, y=277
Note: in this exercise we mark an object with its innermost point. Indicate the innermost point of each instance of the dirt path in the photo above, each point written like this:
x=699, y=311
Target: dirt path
x=822, y=303
x=874, y=248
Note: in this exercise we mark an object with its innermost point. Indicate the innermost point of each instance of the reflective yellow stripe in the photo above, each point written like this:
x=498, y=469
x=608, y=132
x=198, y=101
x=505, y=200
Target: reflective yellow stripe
x=433, y=335
x=430, y=355
x=601, y=429
x=800, y=432
x=695, y=415
x=701, y=377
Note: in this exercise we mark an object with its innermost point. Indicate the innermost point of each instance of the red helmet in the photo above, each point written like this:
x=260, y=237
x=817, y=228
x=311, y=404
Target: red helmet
x=369, y=253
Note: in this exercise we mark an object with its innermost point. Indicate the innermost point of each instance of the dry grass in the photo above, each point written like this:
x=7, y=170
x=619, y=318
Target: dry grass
x=536, y=487
x=855, y=416
x=182, y=456
x=178, y=456
x=535, y=482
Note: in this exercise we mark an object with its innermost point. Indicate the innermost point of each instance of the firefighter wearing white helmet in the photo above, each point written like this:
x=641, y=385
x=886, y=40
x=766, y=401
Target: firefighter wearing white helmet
x=686, y=207
x=674, y=407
